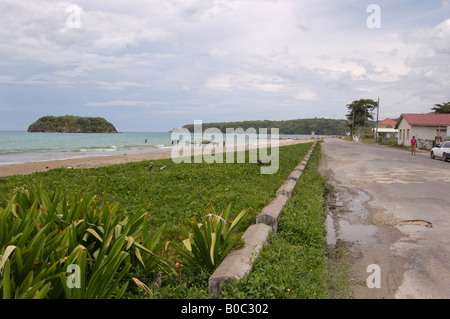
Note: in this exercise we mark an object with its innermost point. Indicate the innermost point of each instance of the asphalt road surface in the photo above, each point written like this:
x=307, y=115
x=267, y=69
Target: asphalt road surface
x=392, y=210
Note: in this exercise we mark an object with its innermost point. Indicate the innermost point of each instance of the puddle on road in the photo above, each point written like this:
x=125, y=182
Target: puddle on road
x=356, y=232
x=331, y=232
x=346, y=217
x=348, y=232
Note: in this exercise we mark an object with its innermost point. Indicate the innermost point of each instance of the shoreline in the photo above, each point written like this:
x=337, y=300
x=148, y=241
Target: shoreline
x=93, y=162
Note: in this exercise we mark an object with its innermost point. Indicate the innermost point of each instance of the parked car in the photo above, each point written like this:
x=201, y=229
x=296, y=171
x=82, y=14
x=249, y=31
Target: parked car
x=441, y=150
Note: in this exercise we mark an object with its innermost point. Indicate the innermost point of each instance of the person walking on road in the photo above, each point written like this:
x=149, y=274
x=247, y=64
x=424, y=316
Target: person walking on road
x=413, y=145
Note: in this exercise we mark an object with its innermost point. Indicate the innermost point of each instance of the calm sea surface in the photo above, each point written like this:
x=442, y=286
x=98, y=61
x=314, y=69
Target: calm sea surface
x=21, y=146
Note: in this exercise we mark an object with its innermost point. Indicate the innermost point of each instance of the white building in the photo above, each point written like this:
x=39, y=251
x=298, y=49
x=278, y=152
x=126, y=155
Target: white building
x=386, y=129
x=427, y=129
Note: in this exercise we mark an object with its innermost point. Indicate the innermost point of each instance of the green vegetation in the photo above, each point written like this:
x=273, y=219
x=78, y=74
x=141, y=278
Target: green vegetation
x=42, y=234
x=391, y=143
x=368, y=140
x=296, y=263
x=122, y=223
x=211, y=240
x=178, y=192
x=359, y=114
x=297, y=127
x=169, y=197
x=72, y=124
x=442, y=108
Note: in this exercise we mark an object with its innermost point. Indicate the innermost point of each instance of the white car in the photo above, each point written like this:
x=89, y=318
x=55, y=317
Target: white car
x=441, y=150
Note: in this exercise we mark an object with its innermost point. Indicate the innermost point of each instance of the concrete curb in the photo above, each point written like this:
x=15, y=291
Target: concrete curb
x=239, y=262
x=287, y=188
x=271, y=213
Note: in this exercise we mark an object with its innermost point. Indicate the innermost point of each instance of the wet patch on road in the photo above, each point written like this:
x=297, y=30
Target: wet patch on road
x=347, y=216
x=367, y=235
x=381, y=214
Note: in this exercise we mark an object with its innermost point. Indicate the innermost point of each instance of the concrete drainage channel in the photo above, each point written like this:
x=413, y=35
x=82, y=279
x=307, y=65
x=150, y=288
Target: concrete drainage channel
x=239, y=262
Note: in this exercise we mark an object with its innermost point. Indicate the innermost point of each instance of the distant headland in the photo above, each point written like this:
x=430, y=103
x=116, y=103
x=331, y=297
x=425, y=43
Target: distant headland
x=71, y=124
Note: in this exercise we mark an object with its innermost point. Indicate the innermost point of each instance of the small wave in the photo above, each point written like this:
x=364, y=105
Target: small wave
x=9, y=163
x=98, y=150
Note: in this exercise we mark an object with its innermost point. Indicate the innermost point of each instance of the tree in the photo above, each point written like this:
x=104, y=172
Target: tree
x=321, y=126
x=360, y=112
x=72, y=124
x=442, y=108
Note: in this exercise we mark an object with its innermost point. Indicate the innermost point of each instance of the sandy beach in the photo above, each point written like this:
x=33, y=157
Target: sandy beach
x=92, y=162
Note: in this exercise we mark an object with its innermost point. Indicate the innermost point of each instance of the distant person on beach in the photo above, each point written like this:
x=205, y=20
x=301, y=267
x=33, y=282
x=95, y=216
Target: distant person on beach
x=413, y=145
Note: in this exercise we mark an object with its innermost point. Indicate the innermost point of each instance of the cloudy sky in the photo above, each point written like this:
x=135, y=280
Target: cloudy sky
x=155, y=65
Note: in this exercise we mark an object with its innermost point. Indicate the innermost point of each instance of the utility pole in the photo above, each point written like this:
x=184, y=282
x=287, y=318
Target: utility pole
x=378, y=111
x=353, y=123
x=365, y=118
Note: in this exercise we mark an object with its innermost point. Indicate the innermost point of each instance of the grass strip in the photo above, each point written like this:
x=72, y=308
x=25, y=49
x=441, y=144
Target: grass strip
x=296, y=262
x=179, y=191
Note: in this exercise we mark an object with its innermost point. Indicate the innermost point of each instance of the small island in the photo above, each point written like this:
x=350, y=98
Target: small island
x=72, y=124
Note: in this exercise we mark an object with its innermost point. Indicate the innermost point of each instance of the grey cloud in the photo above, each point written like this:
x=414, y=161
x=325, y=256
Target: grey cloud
x=223, y=58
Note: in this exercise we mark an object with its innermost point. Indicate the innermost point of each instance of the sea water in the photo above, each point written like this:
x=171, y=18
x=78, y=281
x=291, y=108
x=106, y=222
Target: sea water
x=21, y=147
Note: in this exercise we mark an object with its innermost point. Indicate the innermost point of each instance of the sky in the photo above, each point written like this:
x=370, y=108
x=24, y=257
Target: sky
x=155, y=65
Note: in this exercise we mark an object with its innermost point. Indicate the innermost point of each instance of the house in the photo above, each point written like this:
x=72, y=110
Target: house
x=427, y=128
x=387, y=123
x=386, y=129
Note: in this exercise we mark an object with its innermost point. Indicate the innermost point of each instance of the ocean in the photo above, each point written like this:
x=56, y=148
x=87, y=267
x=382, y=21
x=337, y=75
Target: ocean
x=21, y=147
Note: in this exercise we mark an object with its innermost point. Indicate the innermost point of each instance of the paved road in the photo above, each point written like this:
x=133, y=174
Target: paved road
x=391, y=209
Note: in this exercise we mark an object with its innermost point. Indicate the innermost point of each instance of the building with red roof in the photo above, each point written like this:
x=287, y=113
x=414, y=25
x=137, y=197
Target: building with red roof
x=387, y=123
x=428, y=129
x=386, y=129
